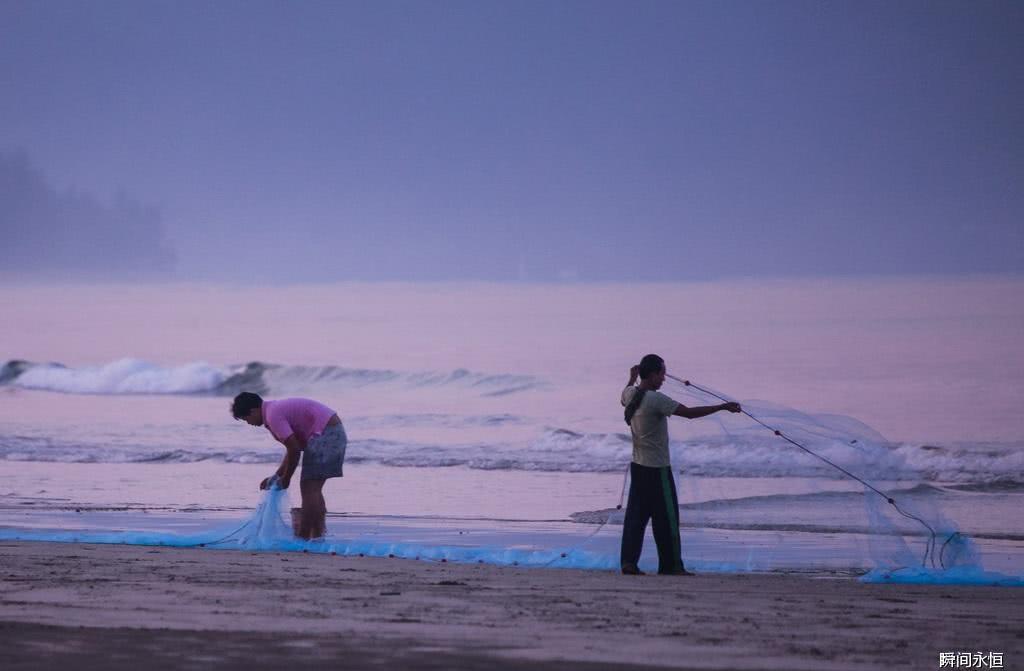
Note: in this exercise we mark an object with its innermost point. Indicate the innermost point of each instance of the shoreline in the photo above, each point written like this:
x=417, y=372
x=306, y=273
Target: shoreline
x=64, y=602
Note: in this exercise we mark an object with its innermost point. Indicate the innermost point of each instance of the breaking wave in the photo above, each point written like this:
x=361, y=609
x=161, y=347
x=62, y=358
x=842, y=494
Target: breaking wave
x=134, y=376
x=987, y=468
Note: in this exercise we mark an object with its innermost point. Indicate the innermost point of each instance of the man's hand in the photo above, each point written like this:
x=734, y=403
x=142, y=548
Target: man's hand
x=705, y=410
x=634, y=372
x=274, y=481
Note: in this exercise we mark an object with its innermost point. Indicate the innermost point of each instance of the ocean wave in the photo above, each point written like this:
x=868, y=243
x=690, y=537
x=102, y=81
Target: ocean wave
x=615, y=518
x=432, y=420
x=124, y=376
x=98, y=454
x=852, y=511
x=985, y=469
x=135, y=376
x=998, y=485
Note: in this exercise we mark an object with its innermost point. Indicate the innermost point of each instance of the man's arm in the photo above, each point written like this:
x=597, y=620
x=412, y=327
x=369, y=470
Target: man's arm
x=292, y=452
x=705, y=410
x=633, y=373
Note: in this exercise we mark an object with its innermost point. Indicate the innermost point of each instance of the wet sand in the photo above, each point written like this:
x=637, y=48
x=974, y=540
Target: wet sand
x=112, y=607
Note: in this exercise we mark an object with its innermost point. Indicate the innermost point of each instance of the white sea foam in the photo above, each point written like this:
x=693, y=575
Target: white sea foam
x=134, y=376
x=124, y=376
x=981, y=467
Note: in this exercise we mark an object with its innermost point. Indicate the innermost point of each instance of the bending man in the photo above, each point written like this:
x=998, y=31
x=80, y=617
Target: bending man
x=652, y=490
x=304, y=427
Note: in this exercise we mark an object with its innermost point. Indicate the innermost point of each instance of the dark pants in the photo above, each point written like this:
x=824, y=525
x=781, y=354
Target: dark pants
x=652, y=496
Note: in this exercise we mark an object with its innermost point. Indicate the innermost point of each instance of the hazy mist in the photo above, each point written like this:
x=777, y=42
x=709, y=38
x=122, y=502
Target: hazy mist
x=66, y=235
x=510, y=141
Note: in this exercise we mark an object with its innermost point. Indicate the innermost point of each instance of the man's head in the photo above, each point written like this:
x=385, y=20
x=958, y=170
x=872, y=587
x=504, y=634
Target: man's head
x=652, y=371
x=249, y=407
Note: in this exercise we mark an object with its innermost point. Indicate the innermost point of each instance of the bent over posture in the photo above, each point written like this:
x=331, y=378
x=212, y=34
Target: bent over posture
x=652, y=490
x=308, y=430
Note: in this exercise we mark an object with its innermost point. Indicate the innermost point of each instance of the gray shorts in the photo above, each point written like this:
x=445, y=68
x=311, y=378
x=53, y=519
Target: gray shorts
x=325, y=454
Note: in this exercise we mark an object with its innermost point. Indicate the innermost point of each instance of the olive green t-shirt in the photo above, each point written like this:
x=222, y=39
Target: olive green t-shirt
x=650, y=427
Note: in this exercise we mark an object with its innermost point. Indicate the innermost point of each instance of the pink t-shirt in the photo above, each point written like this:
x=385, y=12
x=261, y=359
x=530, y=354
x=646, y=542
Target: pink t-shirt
x=301, y=416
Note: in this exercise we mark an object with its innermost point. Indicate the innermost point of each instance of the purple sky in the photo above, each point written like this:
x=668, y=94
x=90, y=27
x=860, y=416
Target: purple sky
x=508, y=141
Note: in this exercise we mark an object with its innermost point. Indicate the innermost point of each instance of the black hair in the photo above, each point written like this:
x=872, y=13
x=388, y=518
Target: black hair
x=244, y=403
x=651, y=364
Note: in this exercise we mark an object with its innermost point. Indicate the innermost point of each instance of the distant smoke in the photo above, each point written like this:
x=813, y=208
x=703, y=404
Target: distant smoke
x=46, y=234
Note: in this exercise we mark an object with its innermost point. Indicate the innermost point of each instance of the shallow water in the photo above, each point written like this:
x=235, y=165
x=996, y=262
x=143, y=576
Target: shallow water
x=499, y=403
x=527, y=543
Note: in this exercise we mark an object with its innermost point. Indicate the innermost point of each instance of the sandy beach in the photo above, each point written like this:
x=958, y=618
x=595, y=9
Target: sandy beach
x=109, y=606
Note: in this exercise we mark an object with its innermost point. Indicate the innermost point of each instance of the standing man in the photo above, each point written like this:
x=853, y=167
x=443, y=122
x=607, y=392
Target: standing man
x=304, y=427
x=652, y=489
